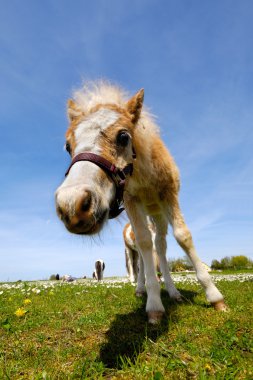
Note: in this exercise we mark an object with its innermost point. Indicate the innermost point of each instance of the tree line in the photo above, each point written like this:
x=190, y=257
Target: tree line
x=232, y=262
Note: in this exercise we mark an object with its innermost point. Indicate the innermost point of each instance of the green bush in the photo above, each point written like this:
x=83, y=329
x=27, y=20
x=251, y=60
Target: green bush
x=233, y=262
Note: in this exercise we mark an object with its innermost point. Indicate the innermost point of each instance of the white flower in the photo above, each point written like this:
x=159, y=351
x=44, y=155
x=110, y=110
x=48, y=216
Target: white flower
x=35, y=290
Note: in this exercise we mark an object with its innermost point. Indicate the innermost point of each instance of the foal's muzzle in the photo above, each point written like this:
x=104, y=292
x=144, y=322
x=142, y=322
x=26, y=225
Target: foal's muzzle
x=80, y=210
x=117, y=175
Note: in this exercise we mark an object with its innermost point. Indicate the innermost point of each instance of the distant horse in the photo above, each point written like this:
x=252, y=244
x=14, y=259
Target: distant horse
x=134, y=262
x=98, y=274
x=117, y=156
x=68, y=278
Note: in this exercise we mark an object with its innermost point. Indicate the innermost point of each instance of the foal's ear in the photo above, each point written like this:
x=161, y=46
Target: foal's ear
x=74, y=111
x=134, y=105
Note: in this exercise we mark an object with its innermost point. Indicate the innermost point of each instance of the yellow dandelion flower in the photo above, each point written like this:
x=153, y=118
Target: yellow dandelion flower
x=208, y=368
x=20, y=312
x=27, y=301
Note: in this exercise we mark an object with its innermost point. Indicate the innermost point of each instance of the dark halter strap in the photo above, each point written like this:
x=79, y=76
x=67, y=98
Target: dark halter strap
x=117, y=175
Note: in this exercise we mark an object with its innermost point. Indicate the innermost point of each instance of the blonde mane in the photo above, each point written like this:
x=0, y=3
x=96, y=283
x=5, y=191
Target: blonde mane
x=104, y=92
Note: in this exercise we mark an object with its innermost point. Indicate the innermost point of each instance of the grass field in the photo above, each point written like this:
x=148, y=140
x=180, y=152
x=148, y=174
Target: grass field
x=87, y=330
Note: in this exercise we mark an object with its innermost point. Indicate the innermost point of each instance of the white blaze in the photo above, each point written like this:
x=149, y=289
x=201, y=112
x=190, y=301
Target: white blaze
x=87, y=132
x=83, y=175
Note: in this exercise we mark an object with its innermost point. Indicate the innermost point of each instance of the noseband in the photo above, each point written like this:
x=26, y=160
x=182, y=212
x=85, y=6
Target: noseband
x=117, y=175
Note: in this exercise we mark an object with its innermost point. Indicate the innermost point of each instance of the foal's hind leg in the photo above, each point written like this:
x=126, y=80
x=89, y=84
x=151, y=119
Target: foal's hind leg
x=184, y=239
x=161, y=246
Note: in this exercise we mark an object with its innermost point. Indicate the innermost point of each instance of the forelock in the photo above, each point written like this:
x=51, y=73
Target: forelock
x=103, y=94
x=99, y=93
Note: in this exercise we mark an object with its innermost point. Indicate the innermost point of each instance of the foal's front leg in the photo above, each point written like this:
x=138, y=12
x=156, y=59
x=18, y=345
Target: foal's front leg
x=161, y=226
x=154, y=306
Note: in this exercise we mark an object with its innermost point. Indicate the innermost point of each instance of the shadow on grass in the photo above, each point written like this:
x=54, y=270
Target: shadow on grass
x=128, y=333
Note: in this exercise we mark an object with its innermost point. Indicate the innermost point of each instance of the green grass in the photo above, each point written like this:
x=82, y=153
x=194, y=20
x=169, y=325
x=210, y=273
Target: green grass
x=232, y=271
x=100, y=332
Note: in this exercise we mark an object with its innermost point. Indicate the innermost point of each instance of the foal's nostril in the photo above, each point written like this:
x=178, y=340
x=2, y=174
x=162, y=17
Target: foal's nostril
x=59, y=211
x=86, y=203
x=66, y=219
x=80, y=224
x=63, y=216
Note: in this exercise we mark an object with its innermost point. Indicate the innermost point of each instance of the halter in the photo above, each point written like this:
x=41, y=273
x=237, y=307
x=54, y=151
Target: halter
x=117, y=175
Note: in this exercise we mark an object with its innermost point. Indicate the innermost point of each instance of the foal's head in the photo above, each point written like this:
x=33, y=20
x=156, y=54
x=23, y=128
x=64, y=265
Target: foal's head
x=85, y=197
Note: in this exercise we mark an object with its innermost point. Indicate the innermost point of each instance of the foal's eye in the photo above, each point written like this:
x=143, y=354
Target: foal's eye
x=123, y=139
x=68, y=147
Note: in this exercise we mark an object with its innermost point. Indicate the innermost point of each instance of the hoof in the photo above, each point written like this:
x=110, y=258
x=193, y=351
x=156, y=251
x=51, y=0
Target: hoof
x=220, y=306
x=140, y=293
x=178, y=299
x=155, y=317
x=176, y=296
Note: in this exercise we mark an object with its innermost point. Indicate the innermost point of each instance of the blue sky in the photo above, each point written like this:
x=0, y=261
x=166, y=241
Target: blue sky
x=195, y=62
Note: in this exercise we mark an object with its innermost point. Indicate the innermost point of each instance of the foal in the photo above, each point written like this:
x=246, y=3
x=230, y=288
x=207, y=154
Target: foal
x=134, y=262
x=117, y=153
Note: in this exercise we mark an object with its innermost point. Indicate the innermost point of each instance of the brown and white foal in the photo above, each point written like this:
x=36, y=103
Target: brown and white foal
x=134, y=261
x=117, y=152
